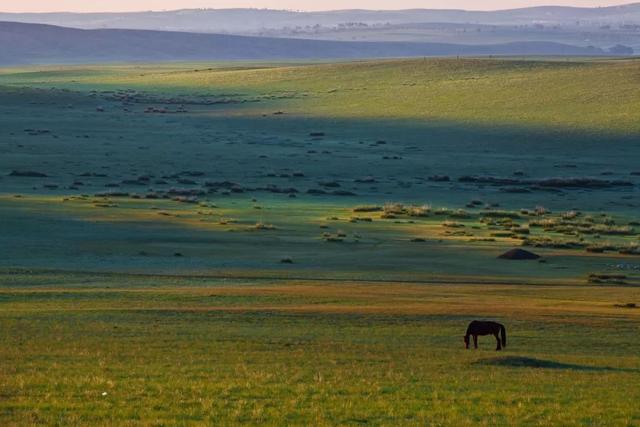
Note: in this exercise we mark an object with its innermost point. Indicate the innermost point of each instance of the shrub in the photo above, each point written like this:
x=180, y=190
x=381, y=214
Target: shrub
x=420, y=211
x=460, y=213
x=263, y=226
x=393, y=208
x=501, y=214
x=631, y=249
x=452, y=224
x=570, y=215
x=541, y=210
x=367, y=209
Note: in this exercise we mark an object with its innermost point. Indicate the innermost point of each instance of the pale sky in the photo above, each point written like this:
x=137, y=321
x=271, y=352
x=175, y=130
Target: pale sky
x=138, y=5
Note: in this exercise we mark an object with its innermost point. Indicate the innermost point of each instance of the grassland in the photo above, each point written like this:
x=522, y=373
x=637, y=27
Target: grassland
x=543, y=93
x=116, y=349
x=305, y=243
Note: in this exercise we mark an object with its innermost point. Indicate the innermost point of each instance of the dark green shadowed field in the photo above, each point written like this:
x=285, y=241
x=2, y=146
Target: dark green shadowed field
x=305, y=244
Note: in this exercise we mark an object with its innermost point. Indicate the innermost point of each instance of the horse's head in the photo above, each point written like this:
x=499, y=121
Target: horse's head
x=466, y=341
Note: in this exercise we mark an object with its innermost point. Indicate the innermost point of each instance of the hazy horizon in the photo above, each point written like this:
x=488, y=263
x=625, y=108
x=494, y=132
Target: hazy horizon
x=36, y=6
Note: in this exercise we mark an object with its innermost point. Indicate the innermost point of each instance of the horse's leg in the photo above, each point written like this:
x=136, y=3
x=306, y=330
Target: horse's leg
x=475, y=341
x=499, y=347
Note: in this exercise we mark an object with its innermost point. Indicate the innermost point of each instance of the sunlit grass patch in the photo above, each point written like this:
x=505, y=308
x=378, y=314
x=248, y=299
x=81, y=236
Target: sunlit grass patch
x=186, y=349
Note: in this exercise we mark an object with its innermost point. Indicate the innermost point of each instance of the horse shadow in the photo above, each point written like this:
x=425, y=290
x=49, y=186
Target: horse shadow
x=530, y=362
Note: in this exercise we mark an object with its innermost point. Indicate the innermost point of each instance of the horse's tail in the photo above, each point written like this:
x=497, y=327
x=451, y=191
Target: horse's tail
x=503, y=335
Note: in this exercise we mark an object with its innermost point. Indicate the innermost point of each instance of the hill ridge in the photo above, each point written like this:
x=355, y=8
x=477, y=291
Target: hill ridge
x=48, y=44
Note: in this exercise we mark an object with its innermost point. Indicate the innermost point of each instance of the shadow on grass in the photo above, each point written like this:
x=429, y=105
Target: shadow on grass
x=529, y=362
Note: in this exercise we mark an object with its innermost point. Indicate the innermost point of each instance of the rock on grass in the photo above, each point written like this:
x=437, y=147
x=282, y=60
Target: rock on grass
x=519, y=255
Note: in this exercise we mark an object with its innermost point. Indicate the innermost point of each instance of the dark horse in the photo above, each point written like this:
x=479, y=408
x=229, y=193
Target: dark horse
x=479, y=327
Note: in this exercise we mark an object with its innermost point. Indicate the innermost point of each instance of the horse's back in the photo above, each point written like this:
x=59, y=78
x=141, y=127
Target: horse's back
x=484, y=327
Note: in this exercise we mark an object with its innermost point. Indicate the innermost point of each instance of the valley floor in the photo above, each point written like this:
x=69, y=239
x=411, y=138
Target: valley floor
x=305, y=243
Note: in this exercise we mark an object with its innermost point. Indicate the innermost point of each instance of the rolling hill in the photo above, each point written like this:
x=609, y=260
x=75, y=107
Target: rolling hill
x=46, y=44
x=252, y=20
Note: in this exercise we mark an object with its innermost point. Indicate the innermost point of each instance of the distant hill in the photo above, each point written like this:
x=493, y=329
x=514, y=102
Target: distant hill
x=255, y=20
x=46, y=44
x=603, y=37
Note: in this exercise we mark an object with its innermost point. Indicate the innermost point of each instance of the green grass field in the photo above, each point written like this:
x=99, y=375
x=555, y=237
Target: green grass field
x=544, y=93
x=305, y=244
x=91, y=349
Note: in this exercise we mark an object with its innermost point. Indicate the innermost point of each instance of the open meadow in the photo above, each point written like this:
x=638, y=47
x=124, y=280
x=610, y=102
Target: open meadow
x=305, y=243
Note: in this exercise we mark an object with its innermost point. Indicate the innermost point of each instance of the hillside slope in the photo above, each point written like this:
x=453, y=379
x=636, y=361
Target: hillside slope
x=41, y=44
x=601, y=95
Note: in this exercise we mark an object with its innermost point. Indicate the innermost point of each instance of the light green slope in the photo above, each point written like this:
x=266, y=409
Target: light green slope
x=581, y=94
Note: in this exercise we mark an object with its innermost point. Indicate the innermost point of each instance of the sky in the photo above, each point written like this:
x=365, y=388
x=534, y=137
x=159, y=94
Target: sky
x=139, y=5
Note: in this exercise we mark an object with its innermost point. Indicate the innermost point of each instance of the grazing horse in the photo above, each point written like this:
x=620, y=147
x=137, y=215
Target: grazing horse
x=479, y=327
